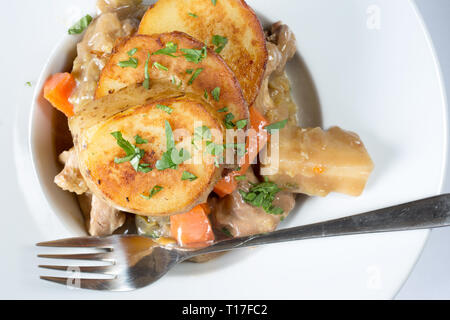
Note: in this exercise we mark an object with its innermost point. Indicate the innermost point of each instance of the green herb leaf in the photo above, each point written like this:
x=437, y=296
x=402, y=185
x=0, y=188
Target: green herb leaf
x=223, y=110
x=238, y=147
x=195, y=55
x=214, y=149
x=189, y=71
x=131, y=63
x=172, y=157
x=133, y=153
x=240, y=178
x=170, y=141
x=152, y=193
x=193, y=15
x=28, y=84
x=81, y=25
x=206, y=95
x=220, y=42
x=146, y=83
x=214, y=2
x=164, y=108
x=144, y=168
x=159, y=66
x=168, y=50
x=216, y=94
x=262, y=196
x=276, y=126
x=132, y=52
x=227, y=232
x=124, y=144
x=202, y=132
x=188, y=176
x=140, y=140
x=194, y=76
x=241, y=124
x=228, y=121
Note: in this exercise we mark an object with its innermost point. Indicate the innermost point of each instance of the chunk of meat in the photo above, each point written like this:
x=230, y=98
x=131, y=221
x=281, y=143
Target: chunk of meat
x=70, y=179
x=241, y=219
x=112, y=5
x=94, y=50
x=101, y=219
x=281, y=46
x=316, y=162
x=284, y=38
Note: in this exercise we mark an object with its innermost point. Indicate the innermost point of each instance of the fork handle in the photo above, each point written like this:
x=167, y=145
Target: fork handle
x=422, y=214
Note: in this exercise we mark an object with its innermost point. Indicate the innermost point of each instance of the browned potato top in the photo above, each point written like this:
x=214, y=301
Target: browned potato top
x=245, y=52
x=125, y=188
x=180, y=71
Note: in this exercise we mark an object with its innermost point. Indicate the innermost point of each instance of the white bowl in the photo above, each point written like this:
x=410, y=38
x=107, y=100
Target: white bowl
x=384, y=84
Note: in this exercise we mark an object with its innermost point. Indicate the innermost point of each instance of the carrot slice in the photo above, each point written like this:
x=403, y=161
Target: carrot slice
x=57, y=91
x=192, y=228
x=255, y=143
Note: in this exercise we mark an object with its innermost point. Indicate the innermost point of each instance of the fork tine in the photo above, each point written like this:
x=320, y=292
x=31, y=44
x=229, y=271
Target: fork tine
x=108, y=270
x=85, y=242
x=92, y=284
x=104, y=256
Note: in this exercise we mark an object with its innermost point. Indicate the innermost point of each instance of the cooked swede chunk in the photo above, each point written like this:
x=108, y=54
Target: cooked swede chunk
x=230, y=27
x=317, y=162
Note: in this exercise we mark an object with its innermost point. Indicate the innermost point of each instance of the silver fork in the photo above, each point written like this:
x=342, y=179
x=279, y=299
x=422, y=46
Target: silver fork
x=136, y=261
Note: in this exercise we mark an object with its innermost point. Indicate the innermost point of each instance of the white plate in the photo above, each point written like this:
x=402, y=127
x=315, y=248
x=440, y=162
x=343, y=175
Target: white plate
x=383, y=83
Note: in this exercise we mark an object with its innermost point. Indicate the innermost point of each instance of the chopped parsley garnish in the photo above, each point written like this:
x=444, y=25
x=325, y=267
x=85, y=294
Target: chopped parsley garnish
x=133, y=153
x=214, y=149
x=169, y=50
x=81, y=25
x=220, y=43
x=223, y=110
x=131, y=63
x=201, y=133
x=172, y=158
x=140, y=140
x=195, y=55
x=276, y=126
x=216, y=94
x=206, y=95
x=146, y=83
x=214, y=2
x=194, y=76
x=189, y=71
x=152, y=192
x=159, y=66
x=262, y=195
x=240, y=178
x=28, y=84
x=227, y=232
x=144, y=168
x=132, y=52
x=188, y=176
x=241, y=124
x=228, y=121
x=162, y=107
x=193, y=15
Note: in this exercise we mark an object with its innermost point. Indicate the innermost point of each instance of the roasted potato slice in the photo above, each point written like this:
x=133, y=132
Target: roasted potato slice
x=137, y=111
x=316, y=162
x=175, y=69
x=245, y=51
